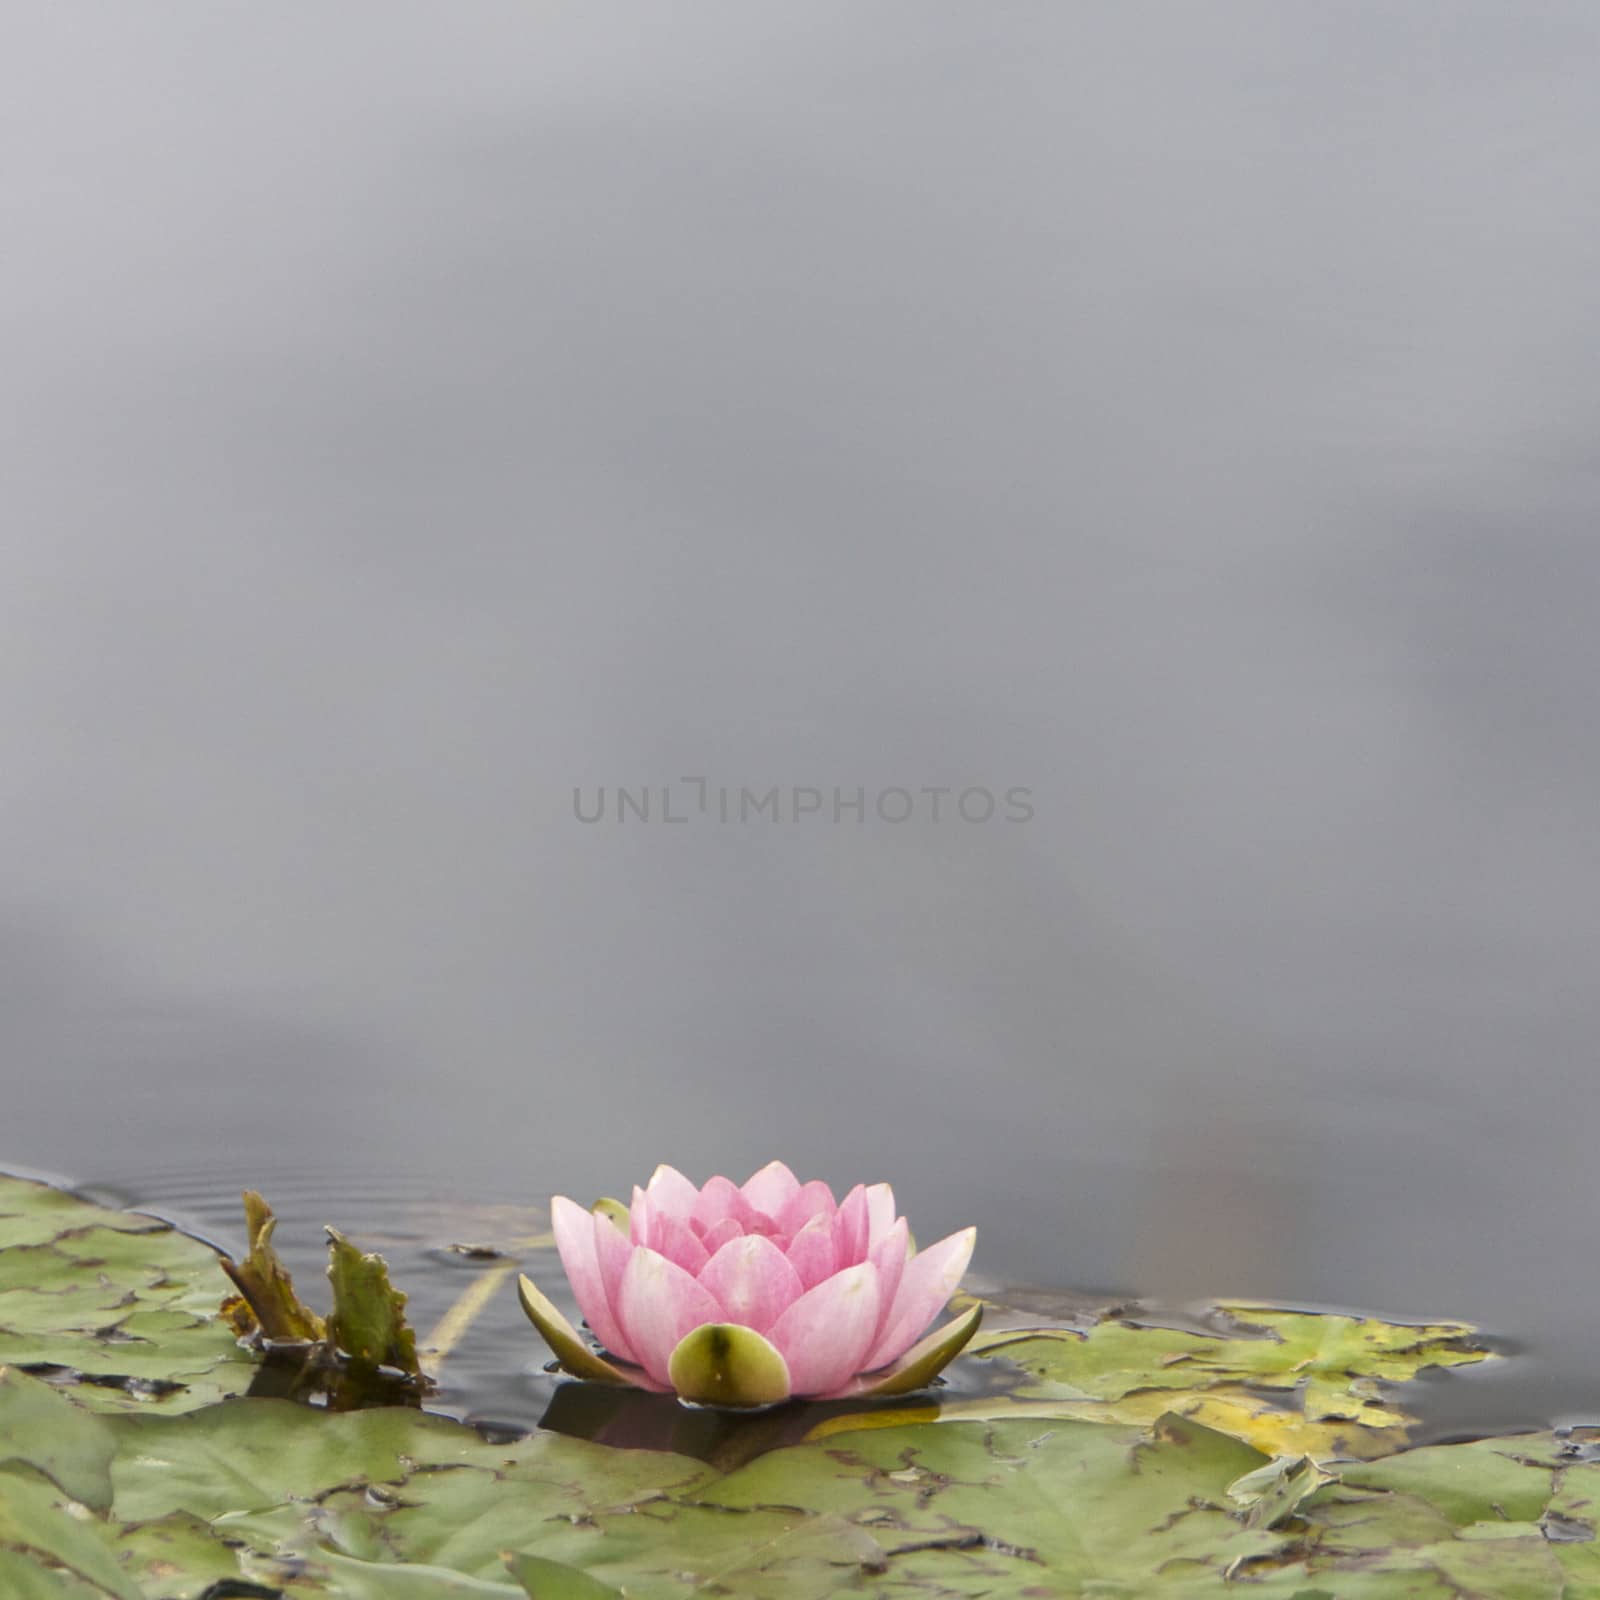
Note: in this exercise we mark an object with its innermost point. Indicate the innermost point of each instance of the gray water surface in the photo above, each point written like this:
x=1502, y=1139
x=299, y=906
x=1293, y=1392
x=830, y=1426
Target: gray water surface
x=1189, y=415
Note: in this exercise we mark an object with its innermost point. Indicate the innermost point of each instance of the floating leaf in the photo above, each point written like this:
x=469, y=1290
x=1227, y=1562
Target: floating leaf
x=1085, y=1481
x=117, y=1306
x=550, y=1580
x=41, y=1428
x=1291, y=1383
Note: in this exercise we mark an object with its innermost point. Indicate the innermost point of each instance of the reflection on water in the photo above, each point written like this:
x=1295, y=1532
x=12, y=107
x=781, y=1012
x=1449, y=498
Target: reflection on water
x=1193, y=423
x=726, y=1439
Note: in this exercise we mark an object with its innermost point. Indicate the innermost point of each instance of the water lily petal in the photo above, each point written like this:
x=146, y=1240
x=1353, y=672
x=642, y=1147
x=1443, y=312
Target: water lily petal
x=575, y=1240
x=660, y=1303
x=850, y=1231
x=812, y=1252
x=825, y=1334
x=753, y=1281
x=720, y=1199
x=771, y=1189
x=880, y=1211
x=810, y=1200
x=641, y=1217
x=888, y=1255
x=719, y=1234
x=612, y=1251
x=671, y=1192
x=922, y=1363
x=723, y=1364
x=930, y=1278
x=677, y=1241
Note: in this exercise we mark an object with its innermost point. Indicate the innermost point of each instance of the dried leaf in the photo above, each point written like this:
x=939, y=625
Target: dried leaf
x=265, y=1286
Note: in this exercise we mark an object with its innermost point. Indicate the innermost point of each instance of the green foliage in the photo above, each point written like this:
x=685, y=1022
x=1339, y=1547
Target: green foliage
x=1291, y=1383
x=341, y=1356
x=1086, y=1479
x=120, y=1308
x=368, y=1324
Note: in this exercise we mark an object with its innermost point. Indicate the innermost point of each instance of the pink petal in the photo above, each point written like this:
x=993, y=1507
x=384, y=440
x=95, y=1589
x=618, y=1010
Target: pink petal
x=671, y=1192
x=772, y=1188
x=721, y=1199
x=641, y=1217
x=677, y=1241
x=812, y=1253
x=880, y=1211
x=753, y=1281
x=825, y=1334
x=660, y=1303
x=850, y=1232
x=888, y=1255
x=812, y=1199
x=612, y=1250
x=930, y=1278
x=720, y=1233
x=574, y=1231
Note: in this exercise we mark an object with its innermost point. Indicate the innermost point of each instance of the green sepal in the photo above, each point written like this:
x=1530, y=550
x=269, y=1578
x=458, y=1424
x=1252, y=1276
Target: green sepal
x=569, y=1347
x=926, y=1359
x=724, y=1364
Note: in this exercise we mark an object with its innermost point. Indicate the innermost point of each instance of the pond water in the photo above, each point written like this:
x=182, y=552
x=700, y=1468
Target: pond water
x=1185, y=417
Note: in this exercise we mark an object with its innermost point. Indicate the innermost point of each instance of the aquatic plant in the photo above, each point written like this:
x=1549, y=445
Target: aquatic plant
x=750, y=1294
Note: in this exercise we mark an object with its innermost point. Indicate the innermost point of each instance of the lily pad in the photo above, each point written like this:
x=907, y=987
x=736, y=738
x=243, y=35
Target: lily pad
x=1292, y=1383
x=118, y=1307
x=395, y=1502
x=1092, y=1468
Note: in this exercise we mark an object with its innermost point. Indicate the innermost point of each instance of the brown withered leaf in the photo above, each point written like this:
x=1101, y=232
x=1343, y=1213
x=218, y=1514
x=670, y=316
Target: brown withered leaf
x=269, y=1305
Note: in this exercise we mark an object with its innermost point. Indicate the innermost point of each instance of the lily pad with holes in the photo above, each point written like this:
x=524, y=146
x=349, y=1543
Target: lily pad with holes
x=121, y=1309
x=1109, y=1458
x=1294, y=1383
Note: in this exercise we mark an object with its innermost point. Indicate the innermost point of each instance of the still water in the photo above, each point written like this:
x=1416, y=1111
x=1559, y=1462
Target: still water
x=1186, y=415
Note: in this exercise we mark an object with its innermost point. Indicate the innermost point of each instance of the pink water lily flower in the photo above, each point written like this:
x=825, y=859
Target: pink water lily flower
x=746, y=1295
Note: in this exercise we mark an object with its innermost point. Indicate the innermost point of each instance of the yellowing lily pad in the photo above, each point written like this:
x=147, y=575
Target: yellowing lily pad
x=1294, y=1383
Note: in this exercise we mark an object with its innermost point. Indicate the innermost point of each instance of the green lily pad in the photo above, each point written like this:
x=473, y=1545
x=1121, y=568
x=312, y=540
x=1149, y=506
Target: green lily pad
x=394, y=1502
x=43, y=1429
x=1100, y=1473
x=120, y=1308
x=1292, y=1383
